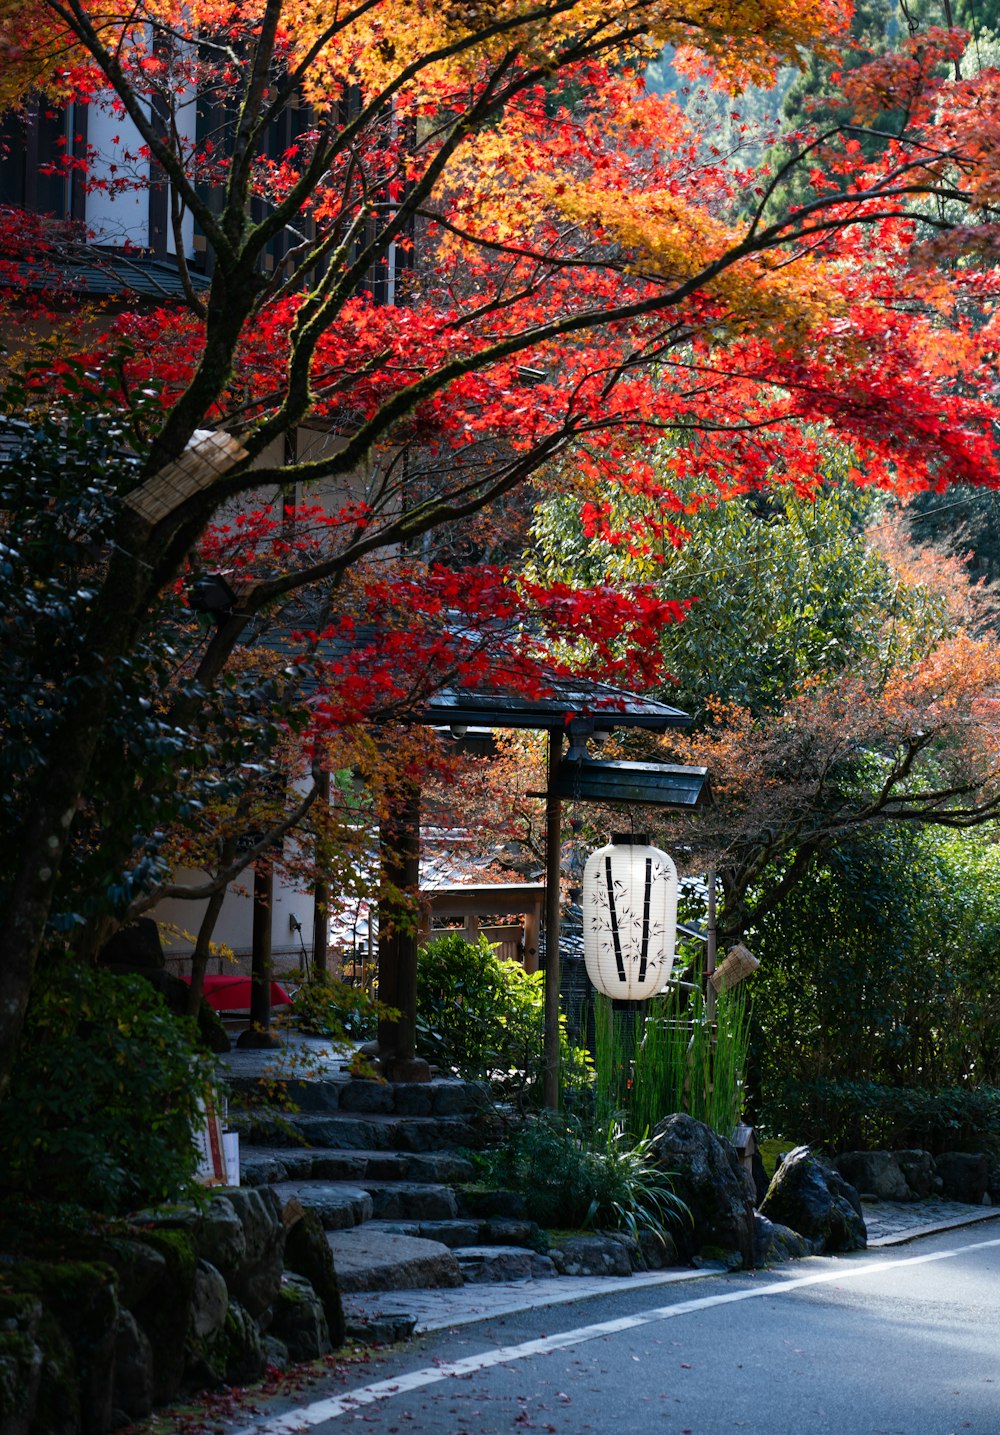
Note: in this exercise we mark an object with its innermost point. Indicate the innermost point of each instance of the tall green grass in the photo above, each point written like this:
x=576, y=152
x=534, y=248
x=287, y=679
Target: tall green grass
x=666, y=1056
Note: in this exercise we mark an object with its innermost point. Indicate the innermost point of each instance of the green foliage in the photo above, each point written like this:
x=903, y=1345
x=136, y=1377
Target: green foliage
x=325, y=1006
x=579, y=1182
x=667, y=1056
x=882, y=964
x=863, y=1115
x=785, y=589
x=104, y=1095
x=485, y=1018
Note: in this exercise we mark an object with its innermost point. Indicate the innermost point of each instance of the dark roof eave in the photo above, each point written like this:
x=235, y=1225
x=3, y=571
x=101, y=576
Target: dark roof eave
x=601, y=708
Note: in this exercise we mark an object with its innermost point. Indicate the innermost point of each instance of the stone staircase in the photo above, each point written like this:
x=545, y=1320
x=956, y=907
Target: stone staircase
x=383, y=1165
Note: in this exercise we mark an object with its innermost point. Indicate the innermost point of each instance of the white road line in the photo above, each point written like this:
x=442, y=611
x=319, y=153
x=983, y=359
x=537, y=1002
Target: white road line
x=329, y=1409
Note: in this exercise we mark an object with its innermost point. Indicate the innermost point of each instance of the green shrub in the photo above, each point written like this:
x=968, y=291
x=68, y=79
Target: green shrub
x=668, y=1056
x=485, y=1019
x=325, y=1006
x=578, y=1182
x=864, y=1115
x=104, y=1094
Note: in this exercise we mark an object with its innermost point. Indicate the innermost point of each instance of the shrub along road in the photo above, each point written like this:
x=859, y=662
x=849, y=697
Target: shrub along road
x=897, y=1343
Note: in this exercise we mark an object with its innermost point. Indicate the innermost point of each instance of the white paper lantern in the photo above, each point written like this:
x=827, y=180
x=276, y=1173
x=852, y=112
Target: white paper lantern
x=629, y=918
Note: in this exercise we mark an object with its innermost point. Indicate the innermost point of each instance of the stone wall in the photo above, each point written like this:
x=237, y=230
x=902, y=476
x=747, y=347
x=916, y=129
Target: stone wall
x=177, y=1301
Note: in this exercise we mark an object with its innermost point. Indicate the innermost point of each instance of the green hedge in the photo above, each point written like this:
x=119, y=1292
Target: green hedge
x=104, y=1095
x=864, y=1115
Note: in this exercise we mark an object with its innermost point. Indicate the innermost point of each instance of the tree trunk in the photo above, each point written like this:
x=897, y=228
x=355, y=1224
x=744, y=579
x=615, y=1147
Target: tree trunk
x=397, y=939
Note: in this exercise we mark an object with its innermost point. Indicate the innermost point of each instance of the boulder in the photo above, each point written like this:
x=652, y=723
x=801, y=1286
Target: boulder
x=219, y=1236
x=965, y=1176
x=591, y=1255
x=874, y=1173
x=817, y=1202
x=133, y=1381
x=774, y=1243
x=164, y=1310
x=707, y=1176
x=241, y=1347
x=254, y=1278
x=299, y=1320
x=22, y=1361
x=136, y=946
x=993, y=1190
x=209, y=1303
x=919, y=1173
x=308, y=1254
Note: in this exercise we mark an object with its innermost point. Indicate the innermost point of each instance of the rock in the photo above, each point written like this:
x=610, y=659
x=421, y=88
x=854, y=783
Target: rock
x=276, y=1352
x=774, y=1243
x=707, y=1176
x=483, y=1264
x=219, y=1236
x=209, y=1303
x=381, y=1327
x=817, y=1202
x=412, y=1200
x=315, y=1096
x=133, y=1378
x=164, y=1311
x=413, y=1100
x=299, y=1320
x=241, y=1347
x=382, y=1261
x=22, y=1361
x=919, y=1172
x=136, y=946
x=140, y=1269
x=338, y=1205
x=759, y=1176
x=874, y=1173
x=509, y=1233
x=993, y=1190
x=591, y=1255
x=368, y=1098
x=308, y=1254
x=482, y=1204
x=255, y=1279
x=964, y=1175
x=655, y=1252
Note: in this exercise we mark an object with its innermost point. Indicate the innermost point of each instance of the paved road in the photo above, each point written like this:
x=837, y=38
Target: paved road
x=900, y=1342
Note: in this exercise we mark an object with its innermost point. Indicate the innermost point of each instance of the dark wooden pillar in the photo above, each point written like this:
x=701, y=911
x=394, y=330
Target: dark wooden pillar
x=260, y=1033
x=321, y=889
x=553, y=864
x=398, y=925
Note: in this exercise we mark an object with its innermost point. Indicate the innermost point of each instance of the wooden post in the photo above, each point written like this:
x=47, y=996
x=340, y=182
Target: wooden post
x=260, y=1033
x=321, y=890
x=531, y=935
x=399, y=841
x=553, y=863
x=710, y=947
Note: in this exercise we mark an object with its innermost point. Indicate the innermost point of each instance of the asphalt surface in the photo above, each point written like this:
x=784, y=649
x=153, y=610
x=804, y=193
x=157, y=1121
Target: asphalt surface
x=903, y=1340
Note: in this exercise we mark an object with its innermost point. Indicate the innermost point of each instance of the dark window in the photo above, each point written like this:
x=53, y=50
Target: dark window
x=36, y=147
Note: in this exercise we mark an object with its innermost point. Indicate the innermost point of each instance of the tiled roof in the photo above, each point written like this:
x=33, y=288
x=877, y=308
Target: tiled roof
x=102, y=275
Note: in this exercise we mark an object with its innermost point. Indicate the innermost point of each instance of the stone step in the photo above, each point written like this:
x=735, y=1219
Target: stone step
x=445, y=1096
x=341, y=1204
x=341, y=1132
x=366, y=1261
x=481, y=1265
x=459, y=1232
x=264, y=1165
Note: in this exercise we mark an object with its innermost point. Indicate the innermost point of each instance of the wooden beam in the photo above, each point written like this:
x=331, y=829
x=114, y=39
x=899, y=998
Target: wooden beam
x=553, y=863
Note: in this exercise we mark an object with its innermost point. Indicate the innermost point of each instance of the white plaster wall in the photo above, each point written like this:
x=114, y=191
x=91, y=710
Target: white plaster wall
x=234, y=928
x=122, y=217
